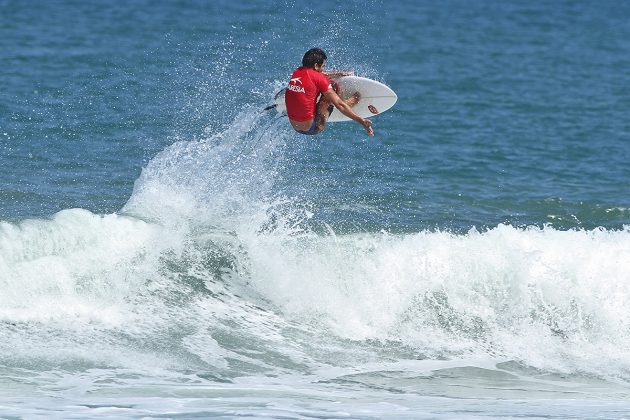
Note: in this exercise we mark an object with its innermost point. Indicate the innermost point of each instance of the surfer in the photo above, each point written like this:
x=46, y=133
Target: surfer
x=306, y=114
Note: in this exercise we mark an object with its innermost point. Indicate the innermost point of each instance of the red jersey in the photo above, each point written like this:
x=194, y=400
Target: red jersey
x=301, y=94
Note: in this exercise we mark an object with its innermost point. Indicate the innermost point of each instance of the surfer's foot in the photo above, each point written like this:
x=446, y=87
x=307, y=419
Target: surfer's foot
x=353, y=100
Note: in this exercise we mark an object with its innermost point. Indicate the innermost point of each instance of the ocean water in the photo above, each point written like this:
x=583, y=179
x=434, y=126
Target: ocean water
x=170, y=250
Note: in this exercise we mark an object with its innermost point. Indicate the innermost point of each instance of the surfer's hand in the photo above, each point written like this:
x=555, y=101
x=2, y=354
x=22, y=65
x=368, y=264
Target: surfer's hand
x=367, y=124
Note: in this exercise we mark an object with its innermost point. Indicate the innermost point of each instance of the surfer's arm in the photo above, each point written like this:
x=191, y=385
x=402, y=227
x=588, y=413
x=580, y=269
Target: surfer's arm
x=333, y=74
x=346, y=110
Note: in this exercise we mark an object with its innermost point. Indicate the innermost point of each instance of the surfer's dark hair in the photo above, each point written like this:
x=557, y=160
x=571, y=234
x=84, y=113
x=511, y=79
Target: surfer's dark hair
x=313, y=56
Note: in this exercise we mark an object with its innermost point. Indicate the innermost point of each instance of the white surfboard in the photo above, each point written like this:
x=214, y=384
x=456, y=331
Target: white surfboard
x=375, y=98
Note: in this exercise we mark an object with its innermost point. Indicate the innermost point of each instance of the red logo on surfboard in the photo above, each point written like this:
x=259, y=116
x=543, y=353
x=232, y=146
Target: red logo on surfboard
x=372, y=109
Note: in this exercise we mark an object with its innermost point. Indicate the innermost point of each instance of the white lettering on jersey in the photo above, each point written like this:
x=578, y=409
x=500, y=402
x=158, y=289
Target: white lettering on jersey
x=295, y=88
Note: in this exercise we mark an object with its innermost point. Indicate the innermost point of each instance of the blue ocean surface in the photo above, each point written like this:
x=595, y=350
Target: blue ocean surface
x=170, y=250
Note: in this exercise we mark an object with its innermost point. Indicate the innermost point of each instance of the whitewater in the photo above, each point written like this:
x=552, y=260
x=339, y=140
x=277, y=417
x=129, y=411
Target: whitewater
x=210, y=293
x=169, y=250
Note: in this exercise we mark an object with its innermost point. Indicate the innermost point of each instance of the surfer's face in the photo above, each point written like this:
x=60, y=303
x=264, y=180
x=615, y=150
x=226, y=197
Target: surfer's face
x=319, y=67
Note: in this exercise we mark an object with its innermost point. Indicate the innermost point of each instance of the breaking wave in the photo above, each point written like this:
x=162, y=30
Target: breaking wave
x=210, y=267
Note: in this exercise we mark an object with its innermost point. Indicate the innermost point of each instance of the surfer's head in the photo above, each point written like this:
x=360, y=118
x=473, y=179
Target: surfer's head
x=314, y=57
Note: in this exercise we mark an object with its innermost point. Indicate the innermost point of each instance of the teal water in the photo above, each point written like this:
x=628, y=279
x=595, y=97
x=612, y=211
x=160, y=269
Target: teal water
x=168, y=249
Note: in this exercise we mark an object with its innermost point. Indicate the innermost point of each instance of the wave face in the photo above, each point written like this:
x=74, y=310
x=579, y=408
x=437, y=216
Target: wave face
x=209, y=269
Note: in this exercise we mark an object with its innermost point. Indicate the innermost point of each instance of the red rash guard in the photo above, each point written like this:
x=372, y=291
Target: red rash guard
x=301, y=94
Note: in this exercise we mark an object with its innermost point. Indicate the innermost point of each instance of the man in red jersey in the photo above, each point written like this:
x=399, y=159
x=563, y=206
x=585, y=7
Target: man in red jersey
x=306, y=114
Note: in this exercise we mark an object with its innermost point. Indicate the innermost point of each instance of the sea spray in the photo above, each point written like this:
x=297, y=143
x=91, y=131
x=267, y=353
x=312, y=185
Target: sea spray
x=215, y=178
x=210, y=260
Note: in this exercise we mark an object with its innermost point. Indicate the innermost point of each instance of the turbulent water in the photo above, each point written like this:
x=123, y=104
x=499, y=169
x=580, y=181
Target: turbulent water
x=168, y=249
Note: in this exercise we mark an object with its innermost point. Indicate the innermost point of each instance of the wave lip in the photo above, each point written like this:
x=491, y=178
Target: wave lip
x=77, y=263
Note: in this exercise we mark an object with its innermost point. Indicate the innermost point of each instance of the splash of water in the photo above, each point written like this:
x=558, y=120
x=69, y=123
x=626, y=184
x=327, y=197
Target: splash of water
x=208, y=266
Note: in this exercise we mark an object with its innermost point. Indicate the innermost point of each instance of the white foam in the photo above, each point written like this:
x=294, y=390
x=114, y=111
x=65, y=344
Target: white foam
x=75, y=265
x=208, y=250
x=552, y=299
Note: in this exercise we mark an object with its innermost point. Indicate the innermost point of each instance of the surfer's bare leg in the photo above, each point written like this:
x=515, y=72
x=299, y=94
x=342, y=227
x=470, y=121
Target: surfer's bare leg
x=324, y=109
x=353, y=100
